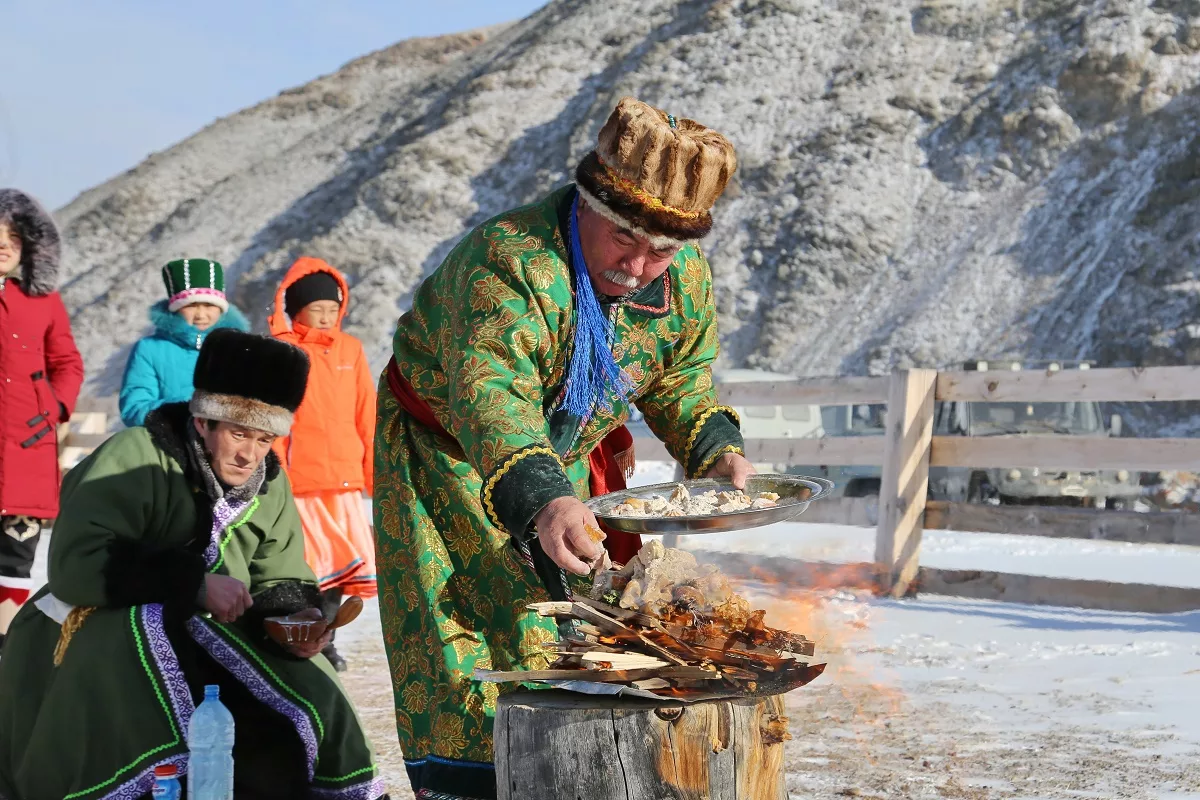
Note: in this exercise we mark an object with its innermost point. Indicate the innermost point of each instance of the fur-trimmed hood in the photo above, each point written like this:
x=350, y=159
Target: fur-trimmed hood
x=41, y=248
x=173, y=327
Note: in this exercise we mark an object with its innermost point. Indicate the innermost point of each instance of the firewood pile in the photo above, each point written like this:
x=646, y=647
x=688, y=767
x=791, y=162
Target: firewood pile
x=665, y=625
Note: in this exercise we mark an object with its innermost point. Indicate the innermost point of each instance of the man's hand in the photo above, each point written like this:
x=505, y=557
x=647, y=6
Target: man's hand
x=225, y=598
x=733, y=466
x=310, y=649
x=562, y=529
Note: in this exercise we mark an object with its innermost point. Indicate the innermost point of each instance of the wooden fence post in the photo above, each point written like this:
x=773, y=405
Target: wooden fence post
x=905, y=481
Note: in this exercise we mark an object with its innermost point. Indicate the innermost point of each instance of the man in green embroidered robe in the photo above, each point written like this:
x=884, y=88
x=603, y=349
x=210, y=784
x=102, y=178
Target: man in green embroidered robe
x=521, y=354
x=186, y=515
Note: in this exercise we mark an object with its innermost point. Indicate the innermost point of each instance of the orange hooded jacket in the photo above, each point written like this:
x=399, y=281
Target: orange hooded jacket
x=330, y=446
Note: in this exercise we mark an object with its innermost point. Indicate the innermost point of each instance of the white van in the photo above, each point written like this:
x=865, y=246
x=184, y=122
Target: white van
x=802, y=421
x=773, y=422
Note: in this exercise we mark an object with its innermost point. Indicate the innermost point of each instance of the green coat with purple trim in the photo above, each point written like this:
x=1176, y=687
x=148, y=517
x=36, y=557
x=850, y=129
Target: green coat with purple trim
x=486, y=346
x=133, y=542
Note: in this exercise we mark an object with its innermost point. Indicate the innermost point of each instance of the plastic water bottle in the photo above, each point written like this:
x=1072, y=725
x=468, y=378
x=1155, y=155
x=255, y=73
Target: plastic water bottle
x=210, y=744
x=166, y=784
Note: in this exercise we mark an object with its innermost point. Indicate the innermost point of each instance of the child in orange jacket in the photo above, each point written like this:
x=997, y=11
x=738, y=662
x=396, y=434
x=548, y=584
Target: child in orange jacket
x=329, y=455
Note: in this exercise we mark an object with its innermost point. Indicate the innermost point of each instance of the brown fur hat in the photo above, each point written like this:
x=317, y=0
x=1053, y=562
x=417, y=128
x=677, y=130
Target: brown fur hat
x=656, y=173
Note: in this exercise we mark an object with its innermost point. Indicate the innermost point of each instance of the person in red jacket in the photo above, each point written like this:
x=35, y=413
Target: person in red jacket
x=329, y=455
x=40, y=375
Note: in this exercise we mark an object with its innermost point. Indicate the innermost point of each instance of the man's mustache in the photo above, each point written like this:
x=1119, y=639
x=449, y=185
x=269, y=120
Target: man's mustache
x=619, y=278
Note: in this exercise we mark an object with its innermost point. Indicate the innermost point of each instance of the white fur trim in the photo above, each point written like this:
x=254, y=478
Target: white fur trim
x=190, y=297
x=241, y=411
x=612, y=216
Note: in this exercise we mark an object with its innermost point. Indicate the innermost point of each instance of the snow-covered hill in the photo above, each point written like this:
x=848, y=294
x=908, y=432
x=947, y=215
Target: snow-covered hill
x=920, y=182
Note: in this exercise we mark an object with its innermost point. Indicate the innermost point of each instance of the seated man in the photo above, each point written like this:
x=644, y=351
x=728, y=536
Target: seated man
x=189, y=514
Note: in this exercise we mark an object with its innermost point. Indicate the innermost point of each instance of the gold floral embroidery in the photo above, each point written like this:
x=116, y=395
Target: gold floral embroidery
x=489, y=292
x=448, y=733
x=415, y=697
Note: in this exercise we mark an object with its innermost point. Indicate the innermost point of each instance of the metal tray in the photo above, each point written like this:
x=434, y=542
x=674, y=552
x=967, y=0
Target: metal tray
x=795, y=493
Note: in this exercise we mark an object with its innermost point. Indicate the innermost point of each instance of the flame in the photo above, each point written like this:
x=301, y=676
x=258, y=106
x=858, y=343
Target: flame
x=831, y=605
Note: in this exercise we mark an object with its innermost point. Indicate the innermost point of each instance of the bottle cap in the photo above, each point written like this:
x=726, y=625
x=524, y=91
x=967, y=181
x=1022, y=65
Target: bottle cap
x=165, y=771
x=212, y=692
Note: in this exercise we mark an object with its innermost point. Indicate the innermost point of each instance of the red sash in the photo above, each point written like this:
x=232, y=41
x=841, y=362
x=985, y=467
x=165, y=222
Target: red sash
x=609, y=462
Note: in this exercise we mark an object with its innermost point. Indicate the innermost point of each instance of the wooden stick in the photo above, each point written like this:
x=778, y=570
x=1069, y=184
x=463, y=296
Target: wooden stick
x=599, y=675
x=608, y=623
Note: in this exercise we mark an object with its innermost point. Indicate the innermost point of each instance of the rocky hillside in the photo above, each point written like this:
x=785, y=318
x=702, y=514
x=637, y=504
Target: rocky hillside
x=919, y=182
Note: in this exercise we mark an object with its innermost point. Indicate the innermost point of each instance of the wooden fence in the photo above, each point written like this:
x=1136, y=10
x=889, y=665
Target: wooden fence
x=86, y=430
x=909, y=448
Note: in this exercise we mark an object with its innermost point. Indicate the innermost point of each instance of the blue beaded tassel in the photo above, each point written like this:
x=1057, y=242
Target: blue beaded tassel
x=593, y=377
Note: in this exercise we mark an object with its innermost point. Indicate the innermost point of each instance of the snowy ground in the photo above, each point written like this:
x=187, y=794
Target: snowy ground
x=943, y=698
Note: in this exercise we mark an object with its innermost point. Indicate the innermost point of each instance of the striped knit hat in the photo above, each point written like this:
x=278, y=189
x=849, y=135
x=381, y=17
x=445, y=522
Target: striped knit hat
x=194, y=280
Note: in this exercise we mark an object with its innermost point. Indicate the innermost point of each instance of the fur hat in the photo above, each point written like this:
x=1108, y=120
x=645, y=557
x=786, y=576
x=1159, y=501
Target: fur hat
x=656, y=173
x=249, y=380
x=194, y=280
x=40, y=245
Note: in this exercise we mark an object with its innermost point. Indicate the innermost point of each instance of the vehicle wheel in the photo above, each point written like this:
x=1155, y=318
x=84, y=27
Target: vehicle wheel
x=1116, y=504
x=977, y=489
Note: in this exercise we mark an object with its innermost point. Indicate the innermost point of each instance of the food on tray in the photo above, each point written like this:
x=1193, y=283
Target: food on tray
x=682, y=503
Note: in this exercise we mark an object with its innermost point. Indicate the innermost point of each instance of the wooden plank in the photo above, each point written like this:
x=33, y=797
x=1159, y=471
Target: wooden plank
x=683, y=673
x=89, y=422
x=88, y=441
x=1039, y=590
x=790, y=573
x=1149, y=384
x=1062, y=523
x=831, y=450
x=861, y=511
x=831, y=391
x=1066, y=452
x=106, y=405
x=905, y=480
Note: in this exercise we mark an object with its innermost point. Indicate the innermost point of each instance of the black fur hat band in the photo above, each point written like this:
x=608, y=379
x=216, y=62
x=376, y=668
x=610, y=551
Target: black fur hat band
x=249, y=380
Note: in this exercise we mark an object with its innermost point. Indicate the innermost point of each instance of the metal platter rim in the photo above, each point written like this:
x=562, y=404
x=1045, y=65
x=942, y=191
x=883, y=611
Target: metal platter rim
x=821, y=488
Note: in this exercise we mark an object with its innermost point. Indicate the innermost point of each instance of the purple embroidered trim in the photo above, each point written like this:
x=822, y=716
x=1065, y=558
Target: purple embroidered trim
x=246, y=673
x=139, y=787
x=168, y=667
x=371, y=790
x=223, y=515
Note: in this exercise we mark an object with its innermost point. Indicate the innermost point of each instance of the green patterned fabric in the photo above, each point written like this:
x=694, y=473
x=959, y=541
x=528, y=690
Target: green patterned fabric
x=486, y=345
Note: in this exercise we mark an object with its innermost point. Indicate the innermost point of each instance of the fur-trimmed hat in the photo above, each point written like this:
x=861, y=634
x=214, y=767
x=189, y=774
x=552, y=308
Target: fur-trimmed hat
x=194, y=280
x=249, y=380
x=41, y=248
x=654, y=172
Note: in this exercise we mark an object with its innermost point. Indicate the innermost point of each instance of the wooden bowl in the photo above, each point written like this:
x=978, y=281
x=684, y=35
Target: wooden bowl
x=299, y=628
x=309, y=626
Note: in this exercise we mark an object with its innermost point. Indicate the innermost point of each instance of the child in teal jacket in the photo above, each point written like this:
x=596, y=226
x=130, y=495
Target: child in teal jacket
x=160, y=366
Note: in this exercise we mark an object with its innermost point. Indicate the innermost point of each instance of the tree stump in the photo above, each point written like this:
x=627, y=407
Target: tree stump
x=553, y=745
